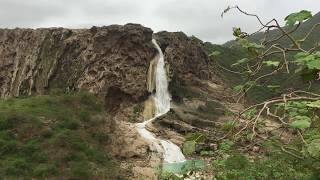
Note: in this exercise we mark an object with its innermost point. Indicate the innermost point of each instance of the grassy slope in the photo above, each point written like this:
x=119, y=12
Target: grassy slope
x=54, y=136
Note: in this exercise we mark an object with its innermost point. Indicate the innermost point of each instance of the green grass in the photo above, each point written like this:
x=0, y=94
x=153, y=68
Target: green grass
x=51, y=136
x=273, y=165
x=238, y=166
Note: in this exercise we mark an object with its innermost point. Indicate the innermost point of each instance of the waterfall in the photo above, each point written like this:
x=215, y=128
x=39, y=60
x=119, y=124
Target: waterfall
x=171, y=152
x=162, y=97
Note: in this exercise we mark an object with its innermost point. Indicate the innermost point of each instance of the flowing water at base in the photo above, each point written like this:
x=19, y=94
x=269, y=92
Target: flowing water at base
x=171, y=152
x=182, y=167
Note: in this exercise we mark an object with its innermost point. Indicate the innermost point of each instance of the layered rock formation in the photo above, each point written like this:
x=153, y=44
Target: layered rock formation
x=108, y=60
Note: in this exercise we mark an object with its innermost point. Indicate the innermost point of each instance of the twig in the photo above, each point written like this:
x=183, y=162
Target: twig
x=275, y=116
x=292, y=154
x=269, y=102
x=226, y=69
x=301, y=136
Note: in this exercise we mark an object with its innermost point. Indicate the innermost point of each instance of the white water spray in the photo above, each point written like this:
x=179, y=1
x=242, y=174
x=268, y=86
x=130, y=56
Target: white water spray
x=171, y=152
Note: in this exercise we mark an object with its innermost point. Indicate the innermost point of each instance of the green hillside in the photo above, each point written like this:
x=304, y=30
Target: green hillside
x=54, y=136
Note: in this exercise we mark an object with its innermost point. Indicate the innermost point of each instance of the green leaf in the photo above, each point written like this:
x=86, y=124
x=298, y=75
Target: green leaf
x=315, y=64
x=241, y=61
x=302, y=123
x=225, y=145
x=309, y=61
x=301, y=55
x=189, y=147
x=301, y=16
x=272, y=63
x=250, y=113
x=206, y=153
x=215, y=53
x=238, y=33
x=238, y=88
x=254, y=45
x=293, y=113
x=315, y=104
x=197, y=137
x=300, y=105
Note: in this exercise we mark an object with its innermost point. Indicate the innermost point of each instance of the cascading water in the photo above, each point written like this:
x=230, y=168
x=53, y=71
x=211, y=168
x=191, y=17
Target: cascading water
x=171, y=152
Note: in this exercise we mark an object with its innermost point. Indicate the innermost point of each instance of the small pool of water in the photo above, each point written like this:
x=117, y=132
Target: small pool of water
x=181, y=167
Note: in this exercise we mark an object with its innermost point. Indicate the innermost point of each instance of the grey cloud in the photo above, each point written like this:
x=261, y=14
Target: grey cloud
x=15, y=13
x=195, y=17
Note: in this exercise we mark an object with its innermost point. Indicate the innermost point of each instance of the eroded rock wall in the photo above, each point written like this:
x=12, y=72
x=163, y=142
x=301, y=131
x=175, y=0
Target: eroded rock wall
x=185, y=55
x=113, y=61
x=97, y=59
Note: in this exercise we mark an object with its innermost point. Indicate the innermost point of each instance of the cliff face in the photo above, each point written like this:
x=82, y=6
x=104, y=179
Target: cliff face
x=185, y=55
x=112, y=58
x=112, y=61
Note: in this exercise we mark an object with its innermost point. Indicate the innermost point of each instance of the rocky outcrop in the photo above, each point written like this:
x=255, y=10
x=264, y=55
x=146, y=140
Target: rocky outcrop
x=185, y=55
x=188, y=63
x=112, y=61
x=101, y=59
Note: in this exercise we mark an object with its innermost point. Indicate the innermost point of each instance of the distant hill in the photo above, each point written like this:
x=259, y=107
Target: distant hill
x=300, y=33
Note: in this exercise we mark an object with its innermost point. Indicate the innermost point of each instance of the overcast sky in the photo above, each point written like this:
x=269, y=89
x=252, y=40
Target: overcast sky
x=194, y=17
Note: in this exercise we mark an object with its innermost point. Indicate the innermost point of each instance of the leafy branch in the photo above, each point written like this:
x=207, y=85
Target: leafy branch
x=292, y=109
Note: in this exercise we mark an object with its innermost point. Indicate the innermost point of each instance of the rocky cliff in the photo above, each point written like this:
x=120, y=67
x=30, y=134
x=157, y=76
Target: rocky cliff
x=185, y=55
x=100, y=59
x=188, y=63
x=112, y=61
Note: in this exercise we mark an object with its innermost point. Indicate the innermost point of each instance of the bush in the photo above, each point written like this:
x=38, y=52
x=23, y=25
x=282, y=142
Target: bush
x=44, y=170
x=80, y=170
x=238, y=166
